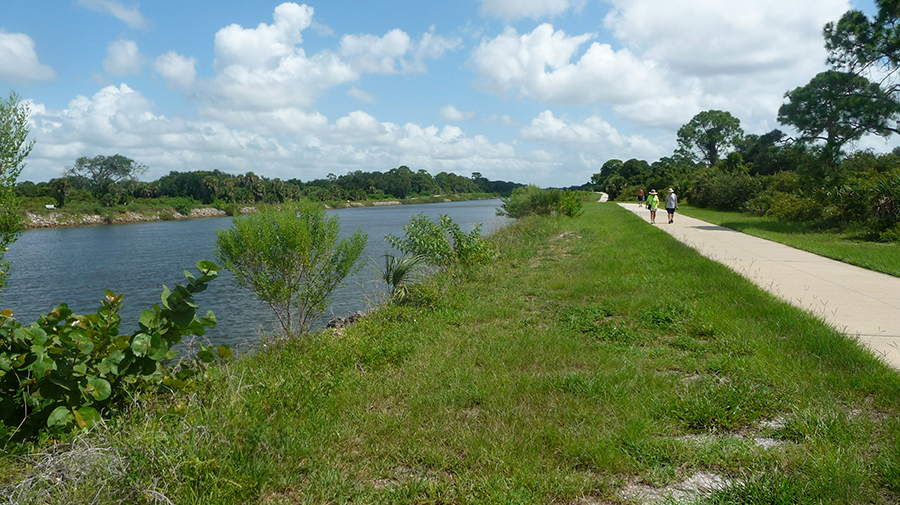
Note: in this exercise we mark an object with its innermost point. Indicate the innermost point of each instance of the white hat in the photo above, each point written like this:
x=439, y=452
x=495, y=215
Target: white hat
x=671, y=190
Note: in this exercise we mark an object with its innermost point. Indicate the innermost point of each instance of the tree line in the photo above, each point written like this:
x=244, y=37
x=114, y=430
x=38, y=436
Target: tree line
x=112, y=180
x=814, y=175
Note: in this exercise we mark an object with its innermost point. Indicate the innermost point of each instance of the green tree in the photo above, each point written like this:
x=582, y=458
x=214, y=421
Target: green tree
x=291, y=259
x=104, y=172
x=857, y=43
x=710, y=134
x=14, y=148
x=837, y=108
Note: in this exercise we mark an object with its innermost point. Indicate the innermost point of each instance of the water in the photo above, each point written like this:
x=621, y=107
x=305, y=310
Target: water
x=75, y=265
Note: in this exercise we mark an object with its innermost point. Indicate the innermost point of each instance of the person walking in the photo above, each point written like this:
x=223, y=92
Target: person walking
x=640, y=197
x=671, y=204
x=652, y=204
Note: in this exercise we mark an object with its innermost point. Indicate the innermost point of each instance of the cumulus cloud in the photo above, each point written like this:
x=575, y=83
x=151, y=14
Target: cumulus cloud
x=362, y=96
x=592, y=134
x=119, y=119
x=131, y=16
x=264, y=68
x=177, y=70
x=395, y=52
x=19, y=61
x=534, y=9
x=123, y=58
x=540, y=65
x=451, y=113
x=710, y=37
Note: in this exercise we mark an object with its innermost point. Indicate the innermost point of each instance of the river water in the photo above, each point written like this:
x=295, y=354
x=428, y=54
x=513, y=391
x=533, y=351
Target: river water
x=75, y=265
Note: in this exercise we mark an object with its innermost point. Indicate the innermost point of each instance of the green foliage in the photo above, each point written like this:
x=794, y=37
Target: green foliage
x=722, y=191
x=13, y=151
x=710, y=134
x=837, y=108
x=291, y=259
x=183, y=205
x=66, y=371
x=790, y=207
x=397, y=274
x=442, y=243
x=532, y=200
x=104, y=172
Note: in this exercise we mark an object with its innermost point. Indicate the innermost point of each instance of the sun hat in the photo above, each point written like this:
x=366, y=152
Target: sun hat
x=652, y=191
x=671, y=190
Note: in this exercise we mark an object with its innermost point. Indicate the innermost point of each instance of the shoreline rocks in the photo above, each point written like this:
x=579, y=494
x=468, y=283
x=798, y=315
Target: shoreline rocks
x=60, y=219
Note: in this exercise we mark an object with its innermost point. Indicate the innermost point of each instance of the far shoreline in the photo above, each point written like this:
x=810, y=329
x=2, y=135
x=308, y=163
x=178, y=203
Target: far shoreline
x=57, y=219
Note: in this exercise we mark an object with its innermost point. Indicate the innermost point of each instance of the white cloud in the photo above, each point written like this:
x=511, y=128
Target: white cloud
x=266, y=46
x=131, y=16
x=540, y=65
x=451, y=113
x=535, y=9
x=19, y=61
x=389, y=54
x=710, y=37
x=264, y=68
x=177, y=70
x=362, y=96
x=593, y=135
x=123, y=58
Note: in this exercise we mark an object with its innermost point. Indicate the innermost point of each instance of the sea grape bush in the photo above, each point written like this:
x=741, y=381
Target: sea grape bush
x=442, y=243
x=65, y=371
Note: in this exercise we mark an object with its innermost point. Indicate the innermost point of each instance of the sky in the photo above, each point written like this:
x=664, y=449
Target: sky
x=531, y=91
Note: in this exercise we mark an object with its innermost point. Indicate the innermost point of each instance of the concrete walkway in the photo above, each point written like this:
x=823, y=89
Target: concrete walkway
x=858, y=302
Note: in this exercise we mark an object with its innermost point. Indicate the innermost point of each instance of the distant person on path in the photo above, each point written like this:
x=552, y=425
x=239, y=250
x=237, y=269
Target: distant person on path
x=641, y=197
x=671, y=204
x=652, y=204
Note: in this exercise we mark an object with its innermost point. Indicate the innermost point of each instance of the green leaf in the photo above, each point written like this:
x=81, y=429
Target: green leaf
x=224, y=351
x=210, y=320
x=60, y=416
x=158, y=348
x=207, y=266
x=82, y=341
x=173, y=383
x=87, y=417
x=141, y=344
x=97, y=388
x=146, y=319
x=165, y=296
x=205, y=356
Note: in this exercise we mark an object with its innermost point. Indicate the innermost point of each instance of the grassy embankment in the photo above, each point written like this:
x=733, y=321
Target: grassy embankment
x=597, y=359
x=878, y=256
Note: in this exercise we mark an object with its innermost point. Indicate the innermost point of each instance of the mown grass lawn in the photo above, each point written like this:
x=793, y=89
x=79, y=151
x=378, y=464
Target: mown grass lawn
x=881, y=257
x=596, y=361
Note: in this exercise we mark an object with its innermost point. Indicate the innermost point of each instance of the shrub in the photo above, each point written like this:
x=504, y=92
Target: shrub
x=788, y=207
x=291, y=259
x=65, y=371
x=182, y=205
x=531, y=199
x=442, y=243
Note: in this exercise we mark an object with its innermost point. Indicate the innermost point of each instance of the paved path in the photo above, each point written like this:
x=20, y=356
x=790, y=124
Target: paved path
x=856, y=301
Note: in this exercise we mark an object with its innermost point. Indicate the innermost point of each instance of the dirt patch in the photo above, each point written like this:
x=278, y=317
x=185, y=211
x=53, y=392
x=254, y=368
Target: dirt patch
x=689, y=490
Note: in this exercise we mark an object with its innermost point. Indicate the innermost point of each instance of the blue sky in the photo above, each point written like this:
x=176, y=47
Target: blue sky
x=535, y=91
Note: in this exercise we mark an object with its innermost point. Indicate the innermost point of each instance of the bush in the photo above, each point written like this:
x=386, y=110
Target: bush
x=66, y=371
x=788, y=207
x=442, y=243
x=291, y=259
x=727, y=192
x=182, y=205
x=529, y=200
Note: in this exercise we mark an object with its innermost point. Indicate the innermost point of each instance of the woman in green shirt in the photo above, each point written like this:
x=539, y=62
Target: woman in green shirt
x=652, y=204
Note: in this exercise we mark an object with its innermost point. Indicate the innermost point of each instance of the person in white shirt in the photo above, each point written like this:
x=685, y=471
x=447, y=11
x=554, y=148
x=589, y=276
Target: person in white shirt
x=671, y=204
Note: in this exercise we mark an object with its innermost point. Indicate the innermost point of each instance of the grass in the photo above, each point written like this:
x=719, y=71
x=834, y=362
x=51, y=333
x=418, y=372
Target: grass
x=842, y=246
x=576, y=368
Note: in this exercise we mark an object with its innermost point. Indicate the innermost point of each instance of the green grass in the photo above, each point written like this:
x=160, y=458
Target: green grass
x=574, y=367
x=841, y=246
